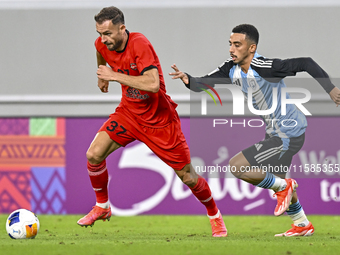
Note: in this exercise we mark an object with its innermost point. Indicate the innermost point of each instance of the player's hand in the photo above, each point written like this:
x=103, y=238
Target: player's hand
x=179, y=75
x=105, y=73
x=335, y=95
x=103, y=85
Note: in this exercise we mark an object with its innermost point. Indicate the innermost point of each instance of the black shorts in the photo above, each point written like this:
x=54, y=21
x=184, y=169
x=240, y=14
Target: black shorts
x=274, y=154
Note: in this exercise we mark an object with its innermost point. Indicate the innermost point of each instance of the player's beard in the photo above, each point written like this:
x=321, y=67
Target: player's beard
x=115, y=46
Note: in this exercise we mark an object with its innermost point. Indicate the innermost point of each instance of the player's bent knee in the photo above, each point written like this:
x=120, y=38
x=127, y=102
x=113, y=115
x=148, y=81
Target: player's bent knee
x=237, y=174
x=236, y=165
x=94, y=157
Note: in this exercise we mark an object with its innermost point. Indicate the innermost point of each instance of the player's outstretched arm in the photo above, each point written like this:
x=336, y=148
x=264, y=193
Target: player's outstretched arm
x=335, y=95
x=179, y=75
x=102, y=84
x=312, y=68
x=188, y=81
x=291, y=66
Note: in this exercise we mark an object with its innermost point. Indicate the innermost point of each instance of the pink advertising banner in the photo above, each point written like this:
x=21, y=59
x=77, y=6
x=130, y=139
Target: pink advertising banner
x=43, y=168
x=140, y=183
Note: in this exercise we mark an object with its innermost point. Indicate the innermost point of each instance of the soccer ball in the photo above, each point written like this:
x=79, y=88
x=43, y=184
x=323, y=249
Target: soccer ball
x=22, y=224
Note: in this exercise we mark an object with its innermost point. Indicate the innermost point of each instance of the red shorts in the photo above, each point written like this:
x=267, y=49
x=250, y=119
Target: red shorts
x=168, y=142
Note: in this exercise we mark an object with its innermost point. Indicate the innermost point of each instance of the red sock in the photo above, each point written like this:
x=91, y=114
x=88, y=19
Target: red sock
x=203, y=194
x=99, y=179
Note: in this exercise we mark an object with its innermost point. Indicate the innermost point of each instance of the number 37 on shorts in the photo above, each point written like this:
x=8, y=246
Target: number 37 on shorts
x=115, y=127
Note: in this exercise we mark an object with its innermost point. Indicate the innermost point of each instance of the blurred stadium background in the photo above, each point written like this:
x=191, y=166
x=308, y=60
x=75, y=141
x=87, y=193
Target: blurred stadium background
x=50, y=106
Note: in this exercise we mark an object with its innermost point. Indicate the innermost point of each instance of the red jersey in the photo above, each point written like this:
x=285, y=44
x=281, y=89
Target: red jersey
x=150, y=109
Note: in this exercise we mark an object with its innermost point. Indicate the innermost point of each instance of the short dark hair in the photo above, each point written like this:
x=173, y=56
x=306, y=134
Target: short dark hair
x=110, y=13
x=249, y=30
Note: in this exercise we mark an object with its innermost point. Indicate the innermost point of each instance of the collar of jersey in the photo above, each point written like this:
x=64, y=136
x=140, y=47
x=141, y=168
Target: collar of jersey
x=256, y=55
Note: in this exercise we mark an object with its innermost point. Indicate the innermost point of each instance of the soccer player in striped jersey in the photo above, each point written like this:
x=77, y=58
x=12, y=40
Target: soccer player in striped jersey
x=146, y=113
x=247, y=69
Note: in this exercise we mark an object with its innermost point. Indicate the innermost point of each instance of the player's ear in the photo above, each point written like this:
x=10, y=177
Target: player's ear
x=122, y=27
x=252, y=48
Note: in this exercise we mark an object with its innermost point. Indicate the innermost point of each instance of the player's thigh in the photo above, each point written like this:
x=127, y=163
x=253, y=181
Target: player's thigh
x=120, y=128
x=114, y=133
x=238, y=162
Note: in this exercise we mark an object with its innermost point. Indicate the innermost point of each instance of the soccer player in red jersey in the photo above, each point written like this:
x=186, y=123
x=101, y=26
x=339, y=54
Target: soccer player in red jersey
x=146, y=113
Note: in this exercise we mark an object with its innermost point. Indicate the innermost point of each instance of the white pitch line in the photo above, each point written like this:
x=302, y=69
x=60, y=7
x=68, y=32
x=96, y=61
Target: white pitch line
x=254, y=204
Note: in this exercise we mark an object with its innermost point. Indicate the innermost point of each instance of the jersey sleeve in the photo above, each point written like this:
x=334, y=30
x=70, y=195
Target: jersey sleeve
x=144, y=55
x=219, y=76
x=289, y=67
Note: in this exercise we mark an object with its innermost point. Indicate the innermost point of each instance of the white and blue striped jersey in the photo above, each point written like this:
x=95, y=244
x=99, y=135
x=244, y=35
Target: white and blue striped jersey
x=263, y=75
x=277, y=124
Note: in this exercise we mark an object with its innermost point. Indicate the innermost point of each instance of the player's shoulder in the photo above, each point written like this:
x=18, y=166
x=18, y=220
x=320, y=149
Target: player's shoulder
x=98, y=41
x=266, y=68
x=99, y=45
x=136, y=37
x=261, y=62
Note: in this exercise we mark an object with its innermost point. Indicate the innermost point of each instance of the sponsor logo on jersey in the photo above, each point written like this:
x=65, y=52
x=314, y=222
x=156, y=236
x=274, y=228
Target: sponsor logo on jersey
x=133, y=66
x=135, y=93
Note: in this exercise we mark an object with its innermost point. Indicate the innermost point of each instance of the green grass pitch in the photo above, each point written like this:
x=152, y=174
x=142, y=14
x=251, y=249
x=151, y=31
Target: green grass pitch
x=163, y=234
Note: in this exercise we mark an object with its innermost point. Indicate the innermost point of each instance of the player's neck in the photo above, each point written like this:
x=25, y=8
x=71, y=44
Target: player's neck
x=125, y=40
x=246, y=63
